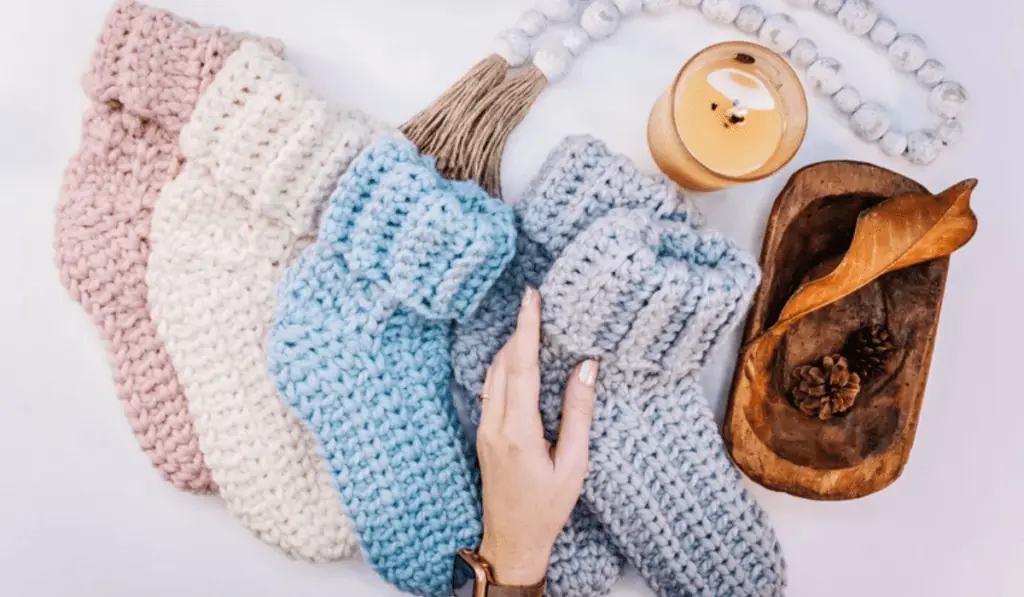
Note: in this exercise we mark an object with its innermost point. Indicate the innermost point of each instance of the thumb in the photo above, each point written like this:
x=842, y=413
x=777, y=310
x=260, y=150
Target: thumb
x=572, y=450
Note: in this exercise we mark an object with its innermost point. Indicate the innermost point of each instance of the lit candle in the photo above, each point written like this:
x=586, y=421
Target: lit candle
x=735, y=113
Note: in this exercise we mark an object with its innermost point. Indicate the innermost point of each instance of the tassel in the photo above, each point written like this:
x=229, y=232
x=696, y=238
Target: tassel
x=431, y=128
x=474, y=148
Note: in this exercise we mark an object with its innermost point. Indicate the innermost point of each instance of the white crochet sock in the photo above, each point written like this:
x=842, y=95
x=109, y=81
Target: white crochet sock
x=263, y=155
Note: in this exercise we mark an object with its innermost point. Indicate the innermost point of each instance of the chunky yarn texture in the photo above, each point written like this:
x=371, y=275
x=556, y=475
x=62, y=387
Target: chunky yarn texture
x=263, y=155
x=579, y=182
x=360, y=350
x=144, y=79
x=629, y=275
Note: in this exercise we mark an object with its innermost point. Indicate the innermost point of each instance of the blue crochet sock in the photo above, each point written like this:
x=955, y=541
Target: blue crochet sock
x=578, y=183
x=360, y=351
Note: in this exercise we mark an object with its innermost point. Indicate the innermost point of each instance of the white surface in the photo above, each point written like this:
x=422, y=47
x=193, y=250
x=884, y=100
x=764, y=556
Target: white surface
x=82, y=513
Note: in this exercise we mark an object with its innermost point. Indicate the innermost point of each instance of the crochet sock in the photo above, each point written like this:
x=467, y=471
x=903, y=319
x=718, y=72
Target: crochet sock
x=263, y=155
x=144, y=78
x=360, y=350
x=659, y=295
x=582, y=187
x=579, y=182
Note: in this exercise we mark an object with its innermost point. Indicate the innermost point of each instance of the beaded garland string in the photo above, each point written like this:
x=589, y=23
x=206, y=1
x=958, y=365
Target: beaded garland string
x=869, y=120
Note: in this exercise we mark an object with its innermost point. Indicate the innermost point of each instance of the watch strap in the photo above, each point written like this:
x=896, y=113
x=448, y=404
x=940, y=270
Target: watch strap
x=536, y=590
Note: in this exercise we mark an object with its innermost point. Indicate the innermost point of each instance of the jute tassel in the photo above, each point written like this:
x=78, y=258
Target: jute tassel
x=478, y=141
x=431, y=129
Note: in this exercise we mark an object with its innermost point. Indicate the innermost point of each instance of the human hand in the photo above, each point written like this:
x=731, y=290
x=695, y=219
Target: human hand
x=529, y=487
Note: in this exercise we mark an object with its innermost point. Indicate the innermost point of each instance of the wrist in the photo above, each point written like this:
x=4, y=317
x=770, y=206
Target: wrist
x=514, y=567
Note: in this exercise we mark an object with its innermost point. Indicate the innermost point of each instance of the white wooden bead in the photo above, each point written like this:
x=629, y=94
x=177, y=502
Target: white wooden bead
x=558, y=11
x=780, y=33
x=847, y=100
x=893, y=143
x=691, y=3
x=749, y=19
x=908, y=53
x=600, y=19
x=947, y=99
x=514, y=46
x=949, y=132
x=857, y=16
x=554, y=62
x=931, y=73
x=830, y=7
x=803, y=3
x=576, y=41
x=884, y=32
x=804, y=53
x=825, y=76
x=659, y=6
x=870, y=122
x=532, y=23
x=721, y=11
x=629, y=7
x=922, y=148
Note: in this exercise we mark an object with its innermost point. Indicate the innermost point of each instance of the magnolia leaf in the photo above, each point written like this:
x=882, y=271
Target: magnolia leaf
x=897, y=233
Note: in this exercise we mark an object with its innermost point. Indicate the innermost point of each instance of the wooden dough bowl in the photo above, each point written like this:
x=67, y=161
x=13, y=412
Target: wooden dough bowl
x=864, y=449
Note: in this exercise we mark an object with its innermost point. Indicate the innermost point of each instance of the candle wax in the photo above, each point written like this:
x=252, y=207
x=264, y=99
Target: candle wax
x=729, y=118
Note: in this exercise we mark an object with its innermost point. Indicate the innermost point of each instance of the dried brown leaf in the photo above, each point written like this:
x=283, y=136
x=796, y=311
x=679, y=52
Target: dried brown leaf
x=897, y=233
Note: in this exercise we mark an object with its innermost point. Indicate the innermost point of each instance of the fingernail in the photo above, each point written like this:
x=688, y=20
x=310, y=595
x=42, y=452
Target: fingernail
x=588, y=373
x=528, y=296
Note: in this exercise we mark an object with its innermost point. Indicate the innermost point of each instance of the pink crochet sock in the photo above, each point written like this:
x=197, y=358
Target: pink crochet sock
x=146, y=75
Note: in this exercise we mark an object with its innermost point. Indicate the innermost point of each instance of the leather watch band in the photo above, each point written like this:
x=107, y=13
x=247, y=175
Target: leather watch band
x=536, y=590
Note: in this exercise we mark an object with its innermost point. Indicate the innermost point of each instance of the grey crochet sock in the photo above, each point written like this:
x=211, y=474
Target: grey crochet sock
x=580, y=181
x=658, y=296
x=648, y=291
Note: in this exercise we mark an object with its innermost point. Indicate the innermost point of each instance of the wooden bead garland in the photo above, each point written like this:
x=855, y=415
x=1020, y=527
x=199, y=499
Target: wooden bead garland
x=868, y=120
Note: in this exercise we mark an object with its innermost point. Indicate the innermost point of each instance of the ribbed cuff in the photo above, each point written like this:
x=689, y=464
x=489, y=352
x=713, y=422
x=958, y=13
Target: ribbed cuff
x=265, y=135
x=658, y=293
x=436, y=246
x=154, y=65
x=580, y=181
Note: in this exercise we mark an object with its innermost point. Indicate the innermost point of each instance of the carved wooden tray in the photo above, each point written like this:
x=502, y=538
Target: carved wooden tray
x=835, y=455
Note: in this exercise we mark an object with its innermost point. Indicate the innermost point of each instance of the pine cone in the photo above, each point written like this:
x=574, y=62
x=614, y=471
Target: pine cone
x=825, y=390
x=869, y=350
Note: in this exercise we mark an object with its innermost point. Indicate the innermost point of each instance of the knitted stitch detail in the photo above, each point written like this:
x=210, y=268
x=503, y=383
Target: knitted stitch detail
x=264, y=153
x=360, y=351
x=579, y=182
x=104, y=212
x=660, y=291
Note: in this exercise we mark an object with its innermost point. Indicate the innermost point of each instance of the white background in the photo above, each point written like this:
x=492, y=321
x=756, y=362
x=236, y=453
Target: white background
x=82, y=513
